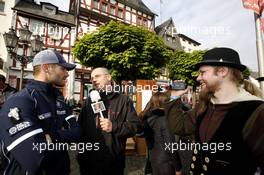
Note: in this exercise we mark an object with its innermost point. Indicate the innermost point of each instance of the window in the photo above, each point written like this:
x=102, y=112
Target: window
x=145, y=23
x=2, y=6
x=120, y=13
x=96, y=4
x=54, y=32
x=168, y=31
x=112, y=10
x=37, y=27
x=104, y=7
x=174, y=31
x=139, y=21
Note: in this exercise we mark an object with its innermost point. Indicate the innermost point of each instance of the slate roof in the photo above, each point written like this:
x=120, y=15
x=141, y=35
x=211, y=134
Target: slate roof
x=30, y=8
x=139, y=5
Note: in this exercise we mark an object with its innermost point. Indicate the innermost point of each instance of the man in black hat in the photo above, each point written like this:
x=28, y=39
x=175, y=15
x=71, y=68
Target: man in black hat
x=229, y=120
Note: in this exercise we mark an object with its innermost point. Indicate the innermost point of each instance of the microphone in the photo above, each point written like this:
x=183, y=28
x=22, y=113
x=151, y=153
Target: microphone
x=97, y=105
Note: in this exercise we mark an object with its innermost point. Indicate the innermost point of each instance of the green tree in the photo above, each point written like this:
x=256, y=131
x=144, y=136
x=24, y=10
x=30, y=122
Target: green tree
x=181, y=66
x=129, y=52
x=246, y=73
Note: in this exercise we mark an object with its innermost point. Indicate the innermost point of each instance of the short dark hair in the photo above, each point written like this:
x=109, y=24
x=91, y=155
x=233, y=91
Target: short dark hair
x=2, y=78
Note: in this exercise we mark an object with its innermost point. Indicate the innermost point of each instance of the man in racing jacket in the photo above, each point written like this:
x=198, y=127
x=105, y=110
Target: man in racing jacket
x=36, y=123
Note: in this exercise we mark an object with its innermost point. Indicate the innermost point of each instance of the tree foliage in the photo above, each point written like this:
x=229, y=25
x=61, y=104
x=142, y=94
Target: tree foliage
x=129, y=52
x=246, y=73
x=181, y=66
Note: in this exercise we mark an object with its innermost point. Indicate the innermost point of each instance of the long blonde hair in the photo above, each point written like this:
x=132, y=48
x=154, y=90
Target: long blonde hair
x=237, y=76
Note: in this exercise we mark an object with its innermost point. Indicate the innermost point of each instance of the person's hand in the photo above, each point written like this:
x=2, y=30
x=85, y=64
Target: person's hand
x=178, y=173
x=48, y=138
x=106, y=124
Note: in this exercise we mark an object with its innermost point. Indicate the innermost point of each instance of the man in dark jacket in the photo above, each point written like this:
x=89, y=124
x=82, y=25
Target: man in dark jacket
x=228, y=120
x=6, y=90
x=36, y=122
x=109, y=132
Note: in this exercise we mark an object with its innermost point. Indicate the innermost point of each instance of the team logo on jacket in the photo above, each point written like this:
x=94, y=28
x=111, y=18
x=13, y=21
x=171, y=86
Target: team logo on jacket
x=19, y=127
x=14, y=113
x=63, y=112
x=44, y=116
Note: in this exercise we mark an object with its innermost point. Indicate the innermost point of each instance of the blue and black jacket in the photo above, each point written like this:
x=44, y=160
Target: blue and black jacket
x=37, y=110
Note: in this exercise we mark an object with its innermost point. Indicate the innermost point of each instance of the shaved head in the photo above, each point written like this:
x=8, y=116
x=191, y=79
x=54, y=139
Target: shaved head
x=101, y=70
x=101, y=78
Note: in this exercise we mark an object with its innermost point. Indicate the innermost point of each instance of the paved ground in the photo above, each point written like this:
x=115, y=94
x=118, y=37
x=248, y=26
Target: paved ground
x=134, y=165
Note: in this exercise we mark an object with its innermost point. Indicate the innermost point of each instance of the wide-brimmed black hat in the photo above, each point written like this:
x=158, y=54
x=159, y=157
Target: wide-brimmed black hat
x=221, y=57
x=260, y=78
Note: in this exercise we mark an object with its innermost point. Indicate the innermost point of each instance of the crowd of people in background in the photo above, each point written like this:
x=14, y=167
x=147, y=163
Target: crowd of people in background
x=222, y=133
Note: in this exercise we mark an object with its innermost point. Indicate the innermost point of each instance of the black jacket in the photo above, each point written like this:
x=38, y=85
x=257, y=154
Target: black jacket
x=26, y=117
x=125, y=122
x=6, y=94
x=159, y=141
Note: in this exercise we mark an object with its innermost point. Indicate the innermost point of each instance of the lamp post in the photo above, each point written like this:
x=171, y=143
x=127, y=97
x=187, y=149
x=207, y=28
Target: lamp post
x=12, y=41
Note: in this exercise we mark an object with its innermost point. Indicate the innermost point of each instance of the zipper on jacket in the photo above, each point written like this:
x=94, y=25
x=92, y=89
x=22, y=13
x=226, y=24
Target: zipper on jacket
x=2, y=149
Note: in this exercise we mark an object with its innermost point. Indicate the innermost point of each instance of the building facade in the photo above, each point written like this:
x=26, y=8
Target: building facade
x=168, y=32
x=90, y=14
x=55, y=28
x=188, y=44
x=59, y=30
x=6, y=15
x=174, y=41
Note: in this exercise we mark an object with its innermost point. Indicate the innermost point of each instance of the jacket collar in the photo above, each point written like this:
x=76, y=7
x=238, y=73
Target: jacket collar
x=242, y=96
x=41, y=86
x=108, y=95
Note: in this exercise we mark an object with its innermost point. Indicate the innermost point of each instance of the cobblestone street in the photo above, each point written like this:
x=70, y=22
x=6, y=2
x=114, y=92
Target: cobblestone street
x=134, y=165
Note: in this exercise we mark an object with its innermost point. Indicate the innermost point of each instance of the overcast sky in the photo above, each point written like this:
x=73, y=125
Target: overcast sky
x=213, y=23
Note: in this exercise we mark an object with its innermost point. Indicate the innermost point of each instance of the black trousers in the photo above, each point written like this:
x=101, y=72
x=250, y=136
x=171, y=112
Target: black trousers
x=101, y=168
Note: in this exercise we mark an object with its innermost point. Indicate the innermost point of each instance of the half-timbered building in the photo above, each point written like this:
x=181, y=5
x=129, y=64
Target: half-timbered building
x=90, y=14
x=54, y=26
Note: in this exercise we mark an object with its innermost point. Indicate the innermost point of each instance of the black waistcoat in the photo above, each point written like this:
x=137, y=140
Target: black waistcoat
x=232, y=155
